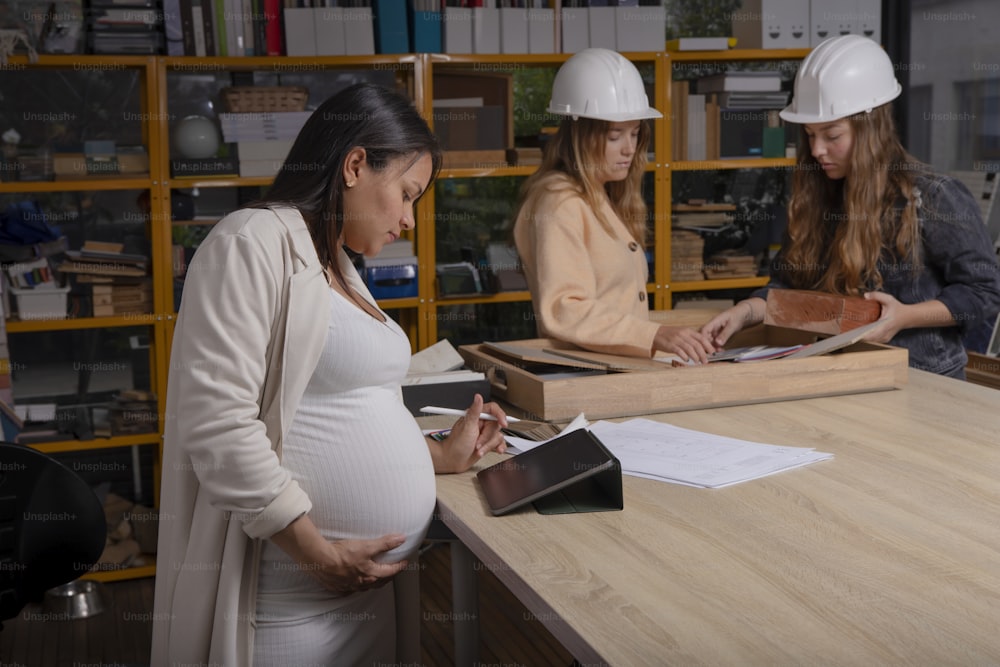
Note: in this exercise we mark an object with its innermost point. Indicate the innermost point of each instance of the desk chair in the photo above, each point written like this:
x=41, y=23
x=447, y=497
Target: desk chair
x=52, y=527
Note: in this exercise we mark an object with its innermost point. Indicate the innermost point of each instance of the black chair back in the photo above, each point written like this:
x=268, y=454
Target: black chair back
x=52, y=527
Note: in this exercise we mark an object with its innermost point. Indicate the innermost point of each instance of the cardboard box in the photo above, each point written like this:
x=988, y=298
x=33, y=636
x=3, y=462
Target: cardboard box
x=495, y=88
x=633, y=386
x=772, y=24
x=640, y=28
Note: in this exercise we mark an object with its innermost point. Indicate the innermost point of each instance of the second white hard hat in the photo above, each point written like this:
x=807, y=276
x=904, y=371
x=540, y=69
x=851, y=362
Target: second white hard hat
x=842, y=76
x=601, y=84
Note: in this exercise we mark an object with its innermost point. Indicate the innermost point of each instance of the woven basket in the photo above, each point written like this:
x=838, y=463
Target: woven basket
x=251, y=99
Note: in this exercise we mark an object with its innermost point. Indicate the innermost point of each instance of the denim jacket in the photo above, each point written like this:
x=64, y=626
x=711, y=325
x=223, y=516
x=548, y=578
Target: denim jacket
x=959, y=269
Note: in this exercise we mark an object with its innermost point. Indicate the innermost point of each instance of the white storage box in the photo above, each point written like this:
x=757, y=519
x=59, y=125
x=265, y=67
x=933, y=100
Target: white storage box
x=41, y=304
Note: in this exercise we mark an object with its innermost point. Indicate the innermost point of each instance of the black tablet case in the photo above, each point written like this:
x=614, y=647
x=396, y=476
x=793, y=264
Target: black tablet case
x=571, y=473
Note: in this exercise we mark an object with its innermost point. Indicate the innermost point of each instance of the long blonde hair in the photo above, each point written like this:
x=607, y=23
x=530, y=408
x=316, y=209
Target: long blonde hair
x=838, y=230
x=575, y=151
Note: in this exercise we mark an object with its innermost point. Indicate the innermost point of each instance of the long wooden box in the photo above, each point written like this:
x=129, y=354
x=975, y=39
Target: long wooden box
x=628, y=387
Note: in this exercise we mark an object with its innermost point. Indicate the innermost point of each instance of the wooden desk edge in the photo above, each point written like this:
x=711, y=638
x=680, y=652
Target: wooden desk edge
x=571, y=640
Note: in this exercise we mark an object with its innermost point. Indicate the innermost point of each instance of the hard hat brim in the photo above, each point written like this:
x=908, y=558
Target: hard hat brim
x=790, y=114
x=648, y=114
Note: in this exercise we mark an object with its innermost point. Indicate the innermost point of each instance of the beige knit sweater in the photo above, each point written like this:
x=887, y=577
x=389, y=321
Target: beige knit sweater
x=588, y=287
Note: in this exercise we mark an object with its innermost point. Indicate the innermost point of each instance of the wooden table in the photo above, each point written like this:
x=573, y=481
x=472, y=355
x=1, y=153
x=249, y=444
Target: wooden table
x=887, y=554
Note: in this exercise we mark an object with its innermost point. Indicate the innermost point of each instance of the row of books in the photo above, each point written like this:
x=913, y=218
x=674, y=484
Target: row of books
x=730, y=115
x=101, y=258
x=223, y=27
x=290, y=27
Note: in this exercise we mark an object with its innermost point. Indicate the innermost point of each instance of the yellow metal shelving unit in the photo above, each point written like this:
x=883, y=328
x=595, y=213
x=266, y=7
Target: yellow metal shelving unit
x=418, y=315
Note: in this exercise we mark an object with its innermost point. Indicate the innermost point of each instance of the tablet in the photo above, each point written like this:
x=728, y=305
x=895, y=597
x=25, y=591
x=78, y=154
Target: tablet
x=570, y=473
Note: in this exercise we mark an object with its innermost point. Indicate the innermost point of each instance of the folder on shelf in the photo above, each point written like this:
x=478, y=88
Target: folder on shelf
x=425, y=31
x=541, y=30
x=329, y=27
x=513, y=30
x=457, y=29
x=392, y=34
x=574, y=29
x=300, y=31
x=485, y=30
x=359, y=32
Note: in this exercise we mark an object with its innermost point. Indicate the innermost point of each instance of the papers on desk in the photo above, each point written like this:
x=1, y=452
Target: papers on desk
x=647, y=448
x=659, y=451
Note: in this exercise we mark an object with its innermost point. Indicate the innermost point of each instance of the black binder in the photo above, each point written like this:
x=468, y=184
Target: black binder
x=571, y=473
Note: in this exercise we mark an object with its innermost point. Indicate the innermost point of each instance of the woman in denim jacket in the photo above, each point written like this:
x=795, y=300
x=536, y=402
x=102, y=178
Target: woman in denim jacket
x=865, y=217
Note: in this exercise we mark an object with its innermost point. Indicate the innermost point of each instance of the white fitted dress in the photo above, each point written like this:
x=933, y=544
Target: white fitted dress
x=359, y=454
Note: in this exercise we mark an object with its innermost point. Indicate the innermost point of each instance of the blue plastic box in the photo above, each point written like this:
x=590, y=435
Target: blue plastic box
x=394, y=278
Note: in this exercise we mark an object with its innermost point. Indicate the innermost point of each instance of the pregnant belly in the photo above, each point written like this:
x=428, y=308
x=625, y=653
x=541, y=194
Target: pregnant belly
x=368, y=476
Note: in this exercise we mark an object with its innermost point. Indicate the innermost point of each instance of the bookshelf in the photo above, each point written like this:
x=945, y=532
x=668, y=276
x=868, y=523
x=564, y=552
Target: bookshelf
x=37, y=346
x=678, y=62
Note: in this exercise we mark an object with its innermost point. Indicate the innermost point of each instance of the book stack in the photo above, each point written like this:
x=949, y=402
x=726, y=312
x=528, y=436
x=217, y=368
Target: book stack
x=111, y=299
x=686, y=248
x=263, y=139
x=125, y=27
x=224, y=27
x=262, y=158
x=730, y=264
x=702, y=217
x=38, y=423
x=118, y=280
x=133, y=411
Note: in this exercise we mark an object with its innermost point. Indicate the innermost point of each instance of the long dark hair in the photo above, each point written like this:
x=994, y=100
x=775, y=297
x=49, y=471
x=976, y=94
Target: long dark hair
x=364, y=115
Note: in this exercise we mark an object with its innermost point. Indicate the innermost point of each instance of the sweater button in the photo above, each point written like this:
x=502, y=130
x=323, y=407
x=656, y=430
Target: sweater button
x=633, y=246
x=642, y=296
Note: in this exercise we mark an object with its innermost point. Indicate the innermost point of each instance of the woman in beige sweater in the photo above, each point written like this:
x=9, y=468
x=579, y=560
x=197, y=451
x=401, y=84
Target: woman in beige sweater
x=581, y=221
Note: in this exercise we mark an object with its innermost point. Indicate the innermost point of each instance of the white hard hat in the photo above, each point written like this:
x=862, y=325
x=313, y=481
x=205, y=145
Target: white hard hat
x=842, y=76
x=600, y=84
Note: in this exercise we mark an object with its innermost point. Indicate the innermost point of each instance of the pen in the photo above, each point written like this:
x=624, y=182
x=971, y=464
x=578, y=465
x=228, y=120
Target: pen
x=433, y=410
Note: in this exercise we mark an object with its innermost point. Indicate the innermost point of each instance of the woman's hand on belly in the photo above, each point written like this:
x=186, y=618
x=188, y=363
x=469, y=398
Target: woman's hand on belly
x=342, y=566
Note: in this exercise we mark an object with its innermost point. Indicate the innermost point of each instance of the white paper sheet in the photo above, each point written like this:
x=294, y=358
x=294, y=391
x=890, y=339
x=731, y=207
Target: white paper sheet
x=651, y=449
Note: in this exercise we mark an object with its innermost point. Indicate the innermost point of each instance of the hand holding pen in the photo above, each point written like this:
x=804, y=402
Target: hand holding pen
x=475, y=433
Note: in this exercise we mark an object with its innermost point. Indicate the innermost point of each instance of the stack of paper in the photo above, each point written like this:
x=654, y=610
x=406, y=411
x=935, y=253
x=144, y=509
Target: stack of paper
x=667, y=453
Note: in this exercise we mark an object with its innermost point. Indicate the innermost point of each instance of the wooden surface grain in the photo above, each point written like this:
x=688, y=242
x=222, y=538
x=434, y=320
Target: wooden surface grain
x=887, y=554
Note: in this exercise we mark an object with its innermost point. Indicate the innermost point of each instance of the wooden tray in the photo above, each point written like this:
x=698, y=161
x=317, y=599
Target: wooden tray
x=630, y=386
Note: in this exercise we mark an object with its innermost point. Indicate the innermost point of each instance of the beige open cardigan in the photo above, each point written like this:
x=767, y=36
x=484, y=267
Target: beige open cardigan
x=255, y=291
